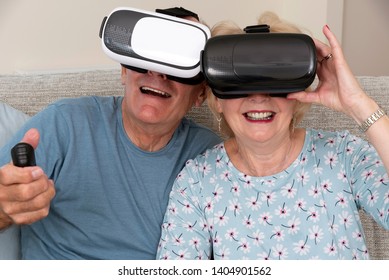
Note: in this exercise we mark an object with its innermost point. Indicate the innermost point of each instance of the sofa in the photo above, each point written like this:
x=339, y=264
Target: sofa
x=32, y=92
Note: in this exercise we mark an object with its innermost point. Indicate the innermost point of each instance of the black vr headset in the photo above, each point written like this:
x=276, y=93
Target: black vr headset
x=233, y=65
x=271, y=63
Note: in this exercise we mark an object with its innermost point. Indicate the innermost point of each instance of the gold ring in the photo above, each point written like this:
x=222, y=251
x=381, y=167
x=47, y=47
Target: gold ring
x=328, y=56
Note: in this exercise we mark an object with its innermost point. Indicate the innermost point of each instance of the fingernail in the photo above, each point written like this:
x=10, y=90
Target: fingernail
x=328, y=27
x=36, y=173
x=33, y=133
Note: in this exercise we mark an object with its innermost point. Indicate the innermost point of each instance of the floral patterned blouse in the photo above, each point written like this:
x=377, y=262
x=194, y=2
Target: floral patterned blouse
x=308, y=211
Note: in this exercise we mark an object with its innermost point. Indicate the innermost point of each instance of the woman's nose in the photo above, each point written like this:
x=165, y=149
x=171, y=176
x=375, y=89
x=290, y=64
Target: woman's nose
x=259, y=98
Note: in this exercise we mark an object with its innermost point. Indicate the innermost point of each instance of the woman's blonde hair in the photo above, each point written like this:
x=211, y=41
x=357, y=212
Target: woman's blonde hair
x=276, y=26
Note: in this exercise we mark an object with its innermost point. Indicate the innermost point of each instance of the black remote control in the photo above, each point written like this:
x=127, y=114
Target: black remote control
x=23, y=155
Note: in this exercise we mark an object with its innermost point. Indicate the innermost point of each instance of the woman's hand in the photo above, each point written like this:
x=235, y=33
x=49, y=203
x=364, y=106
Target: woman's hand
x=337, y=88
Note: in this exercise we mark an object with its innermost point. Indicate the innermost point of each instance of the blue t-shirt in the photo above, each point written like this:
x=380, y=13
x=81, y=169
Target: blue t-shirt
x=110, y=195
x=308, y=211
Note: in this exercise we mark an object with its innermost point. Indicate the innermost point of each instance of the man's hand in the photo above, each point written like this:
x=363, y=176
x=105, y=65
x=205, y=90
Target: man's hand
x=25, y=192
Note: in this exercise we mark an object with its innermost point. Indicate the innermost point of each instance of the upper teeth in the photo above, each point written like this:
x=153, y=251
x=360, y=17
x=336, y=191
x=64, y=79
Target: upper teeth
x=259, y=115
x=159, y=92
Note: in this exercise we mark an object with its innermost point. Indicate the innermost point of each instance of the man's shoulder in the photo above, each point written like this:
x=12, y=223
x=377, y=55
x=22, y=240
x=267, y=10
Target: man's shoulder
x=86, y=101
x=200, y=130
x=83, y=105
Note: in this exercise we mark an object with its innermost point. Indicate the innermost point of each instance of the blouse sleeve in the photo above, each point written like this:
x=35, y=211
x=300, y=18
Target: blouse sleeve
x=369, y=180
x=185, y=228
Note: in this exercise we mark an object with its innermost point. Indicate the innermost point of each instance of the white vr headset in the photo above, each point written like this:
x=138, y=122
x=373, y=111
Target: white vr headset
x=158, y=42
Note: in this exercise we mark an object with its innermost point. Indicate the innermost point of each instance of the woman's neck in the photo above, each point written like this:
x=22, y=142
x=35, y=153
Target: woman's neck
x=265, y=159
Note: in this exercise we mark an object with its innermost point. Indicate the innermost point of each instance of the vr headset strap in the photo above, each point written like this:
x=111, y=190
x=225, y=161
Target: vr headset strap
x=261, y=28
x=178, y=12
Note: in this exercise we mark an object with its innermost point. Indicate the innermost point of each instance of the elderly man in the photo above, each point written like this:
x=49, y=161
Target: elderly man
x=105, y=167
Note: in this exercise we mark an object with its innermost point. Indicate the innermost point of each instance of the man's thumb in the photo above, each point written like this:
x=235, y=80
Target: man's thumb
x=31, y=137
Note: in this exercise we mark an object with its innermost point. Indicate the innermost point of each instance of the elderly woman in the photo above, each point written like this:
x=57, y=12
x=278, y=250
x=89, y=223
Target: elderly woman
x=275, y=191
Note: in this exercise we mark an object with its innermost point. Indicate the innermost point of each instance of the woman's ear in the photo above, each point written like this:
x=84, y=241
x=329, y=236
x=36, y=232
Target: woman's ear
x=218, y=106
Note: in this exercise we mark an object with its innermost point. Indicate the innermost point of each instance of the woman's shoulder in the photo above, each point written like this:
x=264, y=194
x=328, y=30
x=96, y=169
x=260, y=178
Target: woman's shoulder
x=209, y=155
x=338, y=140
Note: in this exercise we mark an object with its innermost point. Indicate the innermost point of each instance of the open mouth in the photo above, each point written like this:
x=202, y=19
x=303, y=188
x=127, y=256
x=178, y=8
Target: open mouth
x=259, y=116
x=154, y=92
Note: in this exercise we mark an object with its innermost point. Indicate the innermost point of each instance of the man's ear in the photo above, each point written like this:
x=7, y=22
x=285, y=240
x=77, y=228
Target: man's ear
x=201, y=97
x=124, y=75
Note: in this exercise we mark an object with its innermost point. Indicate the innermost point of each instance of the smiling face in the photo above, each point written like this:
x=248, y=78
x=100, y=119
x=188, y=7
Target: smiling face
x=156, y=104
x=258, y=117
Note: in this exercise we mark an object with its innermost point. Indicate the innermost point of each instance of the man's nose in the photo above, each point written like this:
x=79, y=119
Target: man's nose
x=153, y=73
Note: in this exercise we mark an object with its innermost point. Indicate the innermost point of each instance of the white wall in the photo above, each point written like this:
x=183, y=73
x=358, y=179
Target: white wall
x=51, y=35
x=366, y=36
